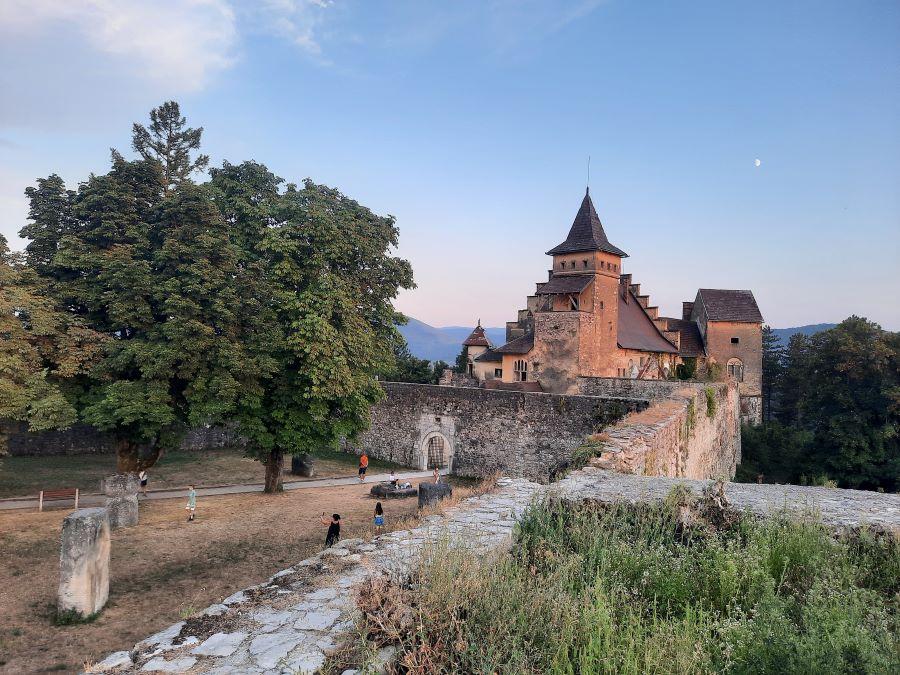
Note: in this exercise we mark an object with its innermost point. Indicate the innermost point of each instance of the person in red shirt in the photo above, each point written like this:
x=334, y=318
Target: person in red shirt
x=363, y=465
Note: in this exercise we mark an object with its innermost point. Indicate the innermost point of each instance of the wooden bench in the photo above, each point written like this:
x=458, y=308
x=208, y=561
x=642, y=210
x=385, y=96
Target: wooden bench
x=57, y=495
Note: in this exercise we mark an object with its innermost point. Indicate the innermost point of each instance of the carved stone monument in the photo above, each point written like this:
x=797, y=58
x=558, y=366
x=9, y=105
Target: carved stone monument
x=84, y=562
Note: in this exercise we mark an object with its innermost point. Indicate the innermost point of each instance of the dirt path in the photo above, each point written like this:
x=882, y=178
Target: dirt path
x=162, y=569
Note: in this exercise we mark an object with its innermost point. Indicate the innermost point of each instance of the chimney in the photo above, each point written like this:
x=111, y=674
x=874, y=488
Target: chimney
x=686, y=309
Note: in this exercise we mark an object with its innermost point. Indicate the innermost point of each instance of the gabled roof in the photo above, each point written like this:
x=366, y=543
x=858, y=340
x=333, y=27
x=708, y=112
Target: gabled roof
x=490, y=356
x=521, y=345
x=691, y=341
x=565, y=284
x=636, y=329
x=728, y=305
x=586, y=233
x=477, y=338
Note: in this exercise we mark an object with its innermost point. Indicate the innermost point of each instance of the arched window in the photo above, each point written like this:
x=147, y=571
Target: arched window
x=520, y=368
x=735, y=369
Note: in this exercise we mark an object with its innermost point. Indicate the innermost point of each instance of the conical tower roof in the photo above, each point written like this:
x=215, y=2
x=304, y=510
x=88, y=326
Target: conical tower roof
x=586, y=233
x=477, y=338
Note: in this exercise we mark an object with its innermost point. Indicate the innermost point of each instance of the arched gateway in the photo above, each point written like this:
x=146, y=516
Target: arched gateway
x=436, y=451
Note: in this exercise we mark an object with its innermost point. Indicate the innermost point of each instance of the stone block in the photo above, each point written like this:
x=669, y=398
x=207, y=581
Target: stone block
x=121, y=490
x=84, y=562
x=303, y=465
x=120, y=484
x=123, y=511
x=432, y=493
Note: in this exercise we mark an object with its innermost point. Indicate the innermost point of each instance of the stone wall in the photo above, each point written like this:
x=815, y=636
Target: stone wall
x=650, y=390
x=689, y=430
x=487, y=431
x=82, y=439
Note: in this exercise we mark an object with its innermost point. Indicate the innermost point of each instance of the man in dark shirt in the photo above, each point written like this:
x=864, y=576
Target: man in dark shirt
x=334, y=529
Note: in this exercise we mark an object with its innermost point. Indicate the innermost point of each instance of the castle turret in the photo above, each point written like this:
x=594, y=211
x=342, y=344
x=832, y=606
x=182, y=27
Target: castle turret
x=586, y=269
x=476, y=344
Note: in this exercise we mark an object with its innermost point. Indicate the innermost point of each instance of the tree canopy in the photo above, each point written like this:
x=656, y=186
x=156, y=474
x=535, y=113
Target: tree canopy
x=835, y=409
x=241, y=301
x=323, y=282
x=42, y=350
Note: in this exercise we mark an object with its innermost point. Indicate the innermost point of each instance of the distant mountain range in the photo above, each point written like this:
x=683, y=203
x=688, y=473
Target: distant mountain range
x=434, y=344
x=442, y=344
x=784, y=334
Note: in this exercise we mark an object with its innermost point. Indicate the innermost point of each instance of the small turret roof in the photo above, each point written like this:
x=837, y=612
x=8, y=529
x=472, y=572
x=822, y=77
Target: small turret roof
x=586, y=233
x=477, y=338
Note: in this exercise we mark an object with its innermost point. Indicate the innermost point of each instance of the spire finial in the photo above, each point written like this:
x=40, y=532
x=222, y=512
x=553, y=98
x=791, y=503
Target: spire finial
x=479, y=323
x=587, y=189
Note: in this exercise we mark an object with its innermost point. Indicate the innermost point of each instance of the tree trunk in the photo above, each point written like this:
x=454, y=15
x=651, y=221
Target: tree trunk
x=274, y=470
x=132, y=457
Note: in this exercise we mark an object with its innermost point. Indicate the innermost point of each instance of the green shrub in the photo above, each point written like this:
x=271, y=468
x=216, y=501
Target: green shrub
x=710, y=402
x=636, y=589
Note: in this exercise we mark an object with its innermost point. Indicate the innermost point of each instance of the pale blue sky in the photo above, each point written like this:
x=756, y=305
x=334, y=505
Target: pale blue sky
x=471, y=122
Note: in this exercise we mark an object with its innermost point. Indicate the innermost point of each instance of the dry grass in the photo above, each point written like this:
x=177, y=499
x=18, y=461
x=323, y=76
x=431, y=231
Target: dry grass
x=164, y=569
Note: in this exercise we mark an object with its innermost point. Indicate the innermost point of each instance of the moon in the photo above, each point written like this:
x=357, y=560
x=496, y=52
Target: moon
x=757, y=162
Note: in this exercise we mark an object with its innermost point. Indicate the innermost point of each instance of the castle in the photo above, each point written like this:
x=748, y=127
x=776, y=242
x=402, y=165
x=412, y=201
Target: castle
x=590, y=320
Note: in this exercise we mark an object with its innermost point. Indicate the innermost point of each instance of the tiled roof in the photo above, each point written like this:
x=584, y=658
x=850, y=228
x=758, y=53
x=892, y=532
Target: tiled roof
x=477, y=338
x=727, y=305
x=636, y=329
x=490, y=356
x=521, y=345
x=565, y=284
x=586, y=233
x=691, y=341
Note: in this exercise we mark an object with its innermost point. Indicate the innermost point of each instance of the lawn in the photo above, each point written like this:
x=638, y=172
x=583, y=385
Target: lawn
x=21, y=476
x=164, y=568
x=641, y=589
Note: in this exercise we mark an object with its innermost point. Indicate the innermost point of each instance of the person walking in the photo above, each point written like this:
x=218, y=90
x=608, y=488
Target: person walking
x=191, y=503
x=379, y=518
x=334, y=529
x=363, y=466
x=142, y=476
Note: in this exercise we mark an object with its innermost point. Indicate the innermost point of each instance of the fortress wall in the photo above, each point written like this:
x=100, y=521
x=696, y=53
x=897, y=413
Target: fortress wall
x=693, y=432
x=82, y=439
x=521, y=434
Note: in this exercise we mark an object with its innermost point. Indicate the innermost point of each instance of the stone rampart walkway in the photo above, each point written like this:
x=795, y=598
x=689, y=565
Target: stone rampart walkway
x=833, y=506
x=287, y=623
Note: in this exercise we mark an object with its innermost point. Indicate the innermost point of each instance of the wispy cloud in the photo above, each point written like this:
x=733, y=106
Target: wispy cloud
x=179, y=43
x=297, y=21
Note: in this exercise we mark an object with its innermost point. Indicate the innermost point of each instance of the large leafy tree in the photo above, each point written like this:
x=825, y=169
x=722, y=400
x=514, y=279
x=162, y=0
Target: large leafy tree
x=323, y=278
x=42, y=351
x=852, y=404
x=150, y=264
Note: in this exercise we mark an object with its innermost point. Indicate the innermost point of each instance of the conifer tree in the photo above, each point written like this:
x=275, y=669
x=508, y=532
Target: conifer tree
x=149, y=263
x=50, y=214
x=170, y=142
x=772, y=367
